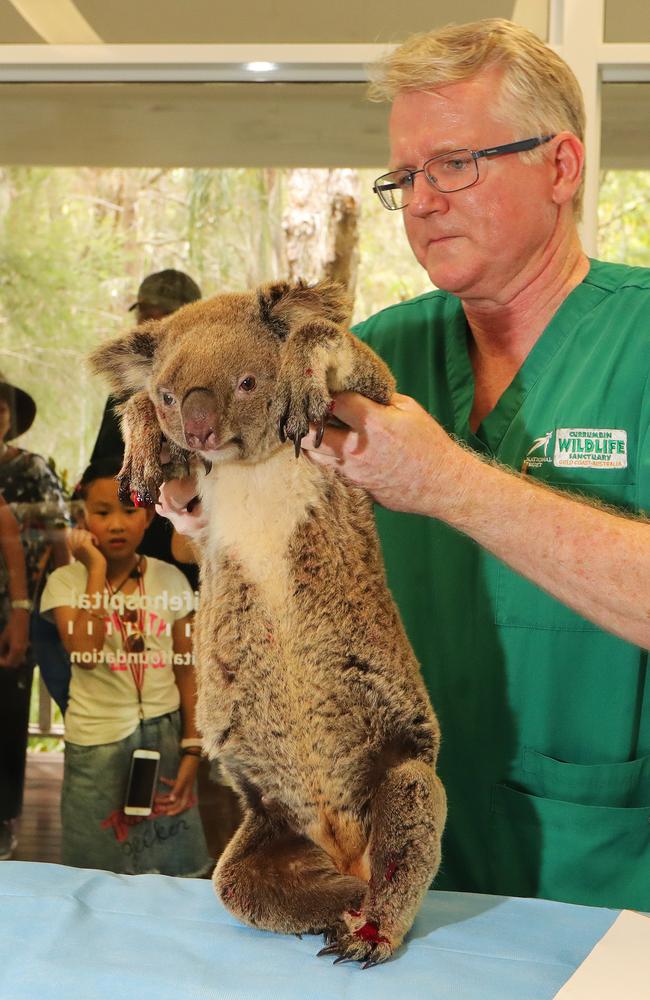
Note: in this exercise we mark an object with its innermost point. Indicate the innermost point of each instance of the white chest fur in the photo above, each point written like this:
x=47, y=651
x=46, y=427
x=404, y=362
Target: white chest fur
x=253, y=511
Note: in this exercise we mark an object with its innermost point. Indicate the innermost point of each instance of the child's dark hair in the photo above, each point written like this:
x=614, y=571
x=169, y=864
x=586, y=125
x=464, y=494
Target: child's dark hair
x=106, y=467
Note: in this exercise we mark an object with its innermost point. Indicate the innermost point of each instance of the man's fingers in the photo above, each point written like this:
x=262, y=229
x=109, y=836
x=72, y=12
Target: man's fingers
x=353, y=409
x=332, y=447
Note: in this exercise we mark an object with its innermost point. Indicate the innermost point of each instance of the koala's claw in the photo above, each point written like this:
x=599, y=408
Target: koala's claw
x=365, y=945
x=299, y=403
x=124, y=489
x=320, y=431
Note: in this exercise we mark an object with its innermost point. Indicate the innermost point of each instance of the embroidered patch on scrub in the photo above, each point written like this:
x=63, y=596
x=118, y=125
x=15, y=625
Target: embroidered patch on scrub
x=590, y=448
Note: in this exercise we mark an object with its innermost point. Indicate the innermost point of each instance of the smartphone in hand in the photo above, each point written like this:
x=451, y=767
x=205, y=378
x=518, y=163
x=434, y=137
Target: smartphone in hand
x=141, y=787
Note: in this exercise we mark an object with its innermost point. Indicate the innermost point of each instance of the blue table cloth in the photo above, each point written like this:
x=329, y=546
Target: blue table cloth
x=67, y=934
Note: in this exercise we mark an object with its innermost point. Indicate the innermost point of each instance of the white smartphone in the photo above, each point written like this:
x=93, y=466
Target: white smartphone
x=143, y=779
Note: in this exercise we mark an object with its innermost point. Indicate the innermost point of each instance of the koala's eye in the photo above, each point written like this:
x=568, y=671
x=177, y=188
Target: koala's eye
x=168, y=399
x=248, y=383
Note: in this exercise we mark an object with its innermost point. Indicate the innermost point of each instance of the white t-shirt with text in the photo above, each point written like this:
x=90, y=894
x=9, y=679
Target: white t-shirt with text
x=105, y=705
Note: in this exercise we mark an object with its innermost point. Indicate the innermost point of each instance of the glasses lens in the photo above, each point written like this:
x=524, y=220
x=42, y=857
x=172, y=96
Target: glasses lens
x=452, y=171
x=394, y=189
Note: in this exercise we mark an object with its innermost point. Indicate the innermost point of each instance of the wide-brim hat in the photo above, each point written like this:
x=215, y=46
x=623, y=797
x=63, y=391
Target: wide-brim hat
x=23, y=408
x=167, y=290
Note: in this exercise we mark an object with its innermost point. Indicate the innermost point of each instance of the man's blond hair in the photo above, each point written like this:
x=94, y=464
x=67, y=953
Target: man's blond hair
x=538, y=93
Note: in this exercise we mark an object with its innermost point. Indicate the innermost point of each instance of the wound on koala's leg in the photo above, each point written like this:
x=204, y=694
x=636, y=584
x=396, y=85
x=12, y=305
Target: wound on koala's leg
x=390, y=871
x=370, y=932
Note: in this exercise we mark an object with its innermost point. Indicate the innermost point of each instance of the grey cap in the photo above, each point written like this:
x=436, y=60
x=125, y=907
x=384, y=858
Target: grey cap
x=169, y=290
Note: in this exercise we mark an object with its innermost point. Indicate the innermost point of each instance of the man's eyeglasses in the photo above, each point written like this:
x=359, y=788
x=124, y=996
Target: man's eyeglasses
x=447, y=172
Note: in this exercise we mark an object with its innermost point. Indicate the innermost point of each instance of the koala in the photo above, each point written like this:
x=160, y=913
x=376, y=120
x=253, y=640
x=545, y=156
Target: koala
x=309, y=693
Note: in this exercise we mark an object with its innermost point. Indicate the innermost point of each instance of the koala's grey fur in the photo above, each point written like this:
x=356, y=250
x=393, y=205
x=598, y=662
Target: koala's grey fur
x=309, y=693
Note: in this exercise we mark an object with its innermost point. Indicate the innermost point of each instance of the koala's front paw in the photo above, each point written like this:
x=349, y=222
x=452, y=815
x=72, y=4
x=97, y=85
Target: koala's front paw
x=301, y=399
x=140, y=477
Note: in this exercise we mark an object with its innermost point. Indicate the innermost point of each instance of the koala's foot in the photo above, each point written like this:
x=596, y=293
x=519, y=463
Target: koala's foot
x=275, y=879
x=356, y=939
x=407, y=818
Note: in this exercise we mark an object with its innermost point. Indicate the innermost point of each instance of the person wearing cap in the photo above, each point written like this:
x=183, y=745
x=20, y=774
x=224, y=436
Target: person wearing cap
x=159, y=295
x=34, y=494
x=164, y=292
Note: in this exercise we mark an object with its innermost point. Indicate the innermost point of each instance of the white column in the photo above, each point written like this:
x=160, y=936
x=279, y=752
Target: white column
x=576, y=30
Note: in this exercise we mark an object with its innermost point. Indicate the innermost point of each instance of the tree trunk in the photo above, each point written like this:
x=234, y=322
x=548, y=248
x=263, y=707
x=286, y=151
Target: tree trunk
x=321, y=226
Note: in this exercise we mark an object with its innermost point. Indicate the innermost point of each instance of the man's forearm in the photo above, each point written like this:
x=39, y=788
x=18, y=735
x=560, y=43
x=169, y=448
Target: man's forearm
x=540, y=533
x=404, y=458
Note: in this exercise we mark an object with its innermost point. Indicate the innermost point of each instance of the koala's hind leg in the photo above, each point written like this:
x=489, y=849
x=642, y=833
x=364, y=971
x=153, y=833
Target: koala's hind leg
x=320, y=358
x=408, y=817
x=277, y=880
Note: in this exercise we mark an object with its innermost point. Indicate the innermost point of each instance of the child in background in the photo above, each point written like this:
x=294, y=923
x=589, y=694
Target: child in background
x=125, y=621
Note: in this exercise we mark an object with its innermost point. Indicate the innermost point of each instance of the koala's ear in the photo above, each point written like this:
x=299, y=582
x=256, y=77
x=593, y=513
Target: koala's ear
x=126, y=362
x=284, y=307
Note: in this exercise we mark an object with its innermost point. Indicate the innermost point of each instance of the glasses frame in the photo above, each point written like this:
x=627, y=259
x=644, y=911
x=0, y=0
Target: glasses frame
x=521, y=146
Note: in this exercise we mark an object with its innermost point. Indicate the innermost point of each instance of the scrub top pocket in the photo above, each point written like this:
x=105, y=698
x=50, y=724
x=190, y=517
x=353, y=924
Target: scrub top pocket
x=585, y=830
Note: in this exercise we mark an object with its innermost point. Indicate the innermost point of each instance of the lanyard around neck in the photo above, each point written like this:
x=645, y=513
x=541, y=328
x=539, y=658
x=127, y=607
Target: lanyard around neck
x=135, y=660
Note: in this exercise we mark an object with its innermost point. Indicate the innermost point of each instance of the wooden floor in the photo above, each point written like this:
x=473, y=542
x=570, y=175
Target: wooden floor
x=39, y=829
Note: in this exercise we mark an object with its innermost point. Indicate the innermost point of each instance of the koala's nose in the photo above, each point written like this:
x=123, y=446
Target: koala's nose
x=200, y=420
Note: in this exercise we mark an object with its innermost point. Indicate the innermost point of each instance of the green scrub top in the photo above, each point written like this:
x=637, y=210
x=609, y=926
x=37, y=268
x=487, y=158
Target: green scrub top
x=545, y=718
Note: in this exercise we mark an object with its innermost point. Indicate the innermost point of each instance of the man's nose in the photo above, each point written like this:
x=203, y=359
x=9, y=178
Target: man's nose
x=425, y=198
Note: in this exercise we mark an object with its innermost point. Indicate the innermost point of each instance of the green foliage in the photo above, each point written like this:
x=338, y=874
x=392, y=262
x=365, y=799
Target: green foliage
x=624, y=217
x=42, y=744
x=388, y=272
x=59, y=259
x=74, y=245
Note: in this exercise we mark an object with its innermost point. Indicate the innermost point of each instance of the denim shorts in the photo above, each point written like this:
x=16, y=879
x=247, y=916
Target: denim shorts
x=96, y=834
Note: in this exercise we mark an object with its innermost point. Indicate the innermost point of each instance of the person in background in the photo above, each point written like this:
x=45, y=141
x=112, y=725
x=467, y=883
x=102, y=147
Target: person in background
x=36, y=503
x=14, y=641
x=125, y=621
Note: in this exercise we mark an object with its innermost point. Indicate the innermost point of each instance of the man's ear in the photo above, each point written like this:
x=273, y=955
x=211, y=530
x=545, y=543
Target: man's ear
x=285, y=307
x=568, y=162
x=126, y=362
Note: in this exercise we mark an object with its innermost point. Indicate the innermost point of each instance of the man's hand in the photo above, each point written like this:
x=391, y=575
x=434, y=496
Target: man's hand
x=177, y=501
x=398, y=452
x=407, y=462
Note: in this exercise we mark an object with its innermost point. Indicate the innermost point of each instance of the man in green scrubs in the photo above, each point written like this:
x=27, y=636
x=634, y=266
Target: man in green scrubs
x=528, y=606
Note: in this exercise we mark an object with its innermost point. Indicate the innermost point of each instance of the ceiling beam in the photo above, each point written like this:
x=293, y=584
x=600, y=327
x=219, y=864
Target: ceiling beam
x=343, y=63
x=58, y=22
